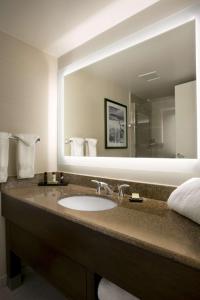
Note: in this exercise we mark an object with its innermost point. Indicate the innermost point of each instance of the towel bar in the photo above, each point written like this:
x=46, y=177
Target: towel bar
x=14, y=138
x=67, y=141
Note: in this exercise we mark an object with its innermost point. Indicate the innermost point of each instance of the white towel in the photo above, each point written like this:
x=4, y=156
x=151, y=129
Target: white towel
x=77, y=146
x=4, y=154
x=91, y=147
x=26, y=155
x=110, y=291
x=186, y=199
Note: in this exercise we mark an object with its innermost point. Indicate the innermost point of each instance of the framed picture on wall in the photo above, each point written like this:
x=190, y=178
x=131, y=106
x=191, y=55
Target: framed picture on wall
x=115, y=125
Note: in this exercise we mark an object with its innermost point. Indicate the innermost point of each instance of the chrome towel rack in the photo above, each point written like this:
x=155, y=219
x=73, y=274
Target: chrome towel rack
x=68, y=141
x=15, y=138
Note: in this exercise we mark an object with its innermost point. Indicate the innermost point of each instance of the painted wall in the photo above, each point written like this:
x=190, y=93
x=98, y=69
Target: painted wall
x=84, y=109
x=148, y=24
x=27, y=96
x=28, y=100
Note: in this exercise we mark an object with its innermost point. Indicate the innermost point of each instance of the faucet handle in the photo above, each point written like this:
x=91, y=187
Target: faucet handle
x=108, y=188
x=121, y=189
x=104, y=185
x=98, y=183
x=95, y=181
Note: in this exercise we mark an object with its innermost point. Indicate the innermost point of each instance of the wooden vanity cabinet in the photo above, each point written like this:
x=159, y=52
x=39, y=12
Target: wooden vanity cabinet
x=70, y=255
x=61, y=271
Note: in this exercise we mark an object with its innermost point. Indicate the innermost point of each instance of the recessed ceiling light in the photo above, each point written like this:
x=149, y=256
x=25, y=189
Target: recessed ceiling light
x=152, y=79
x=147, y=74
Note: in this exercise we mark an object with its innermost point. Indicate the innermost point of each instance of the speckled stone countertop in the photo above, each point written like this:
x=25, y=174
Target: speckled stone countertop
x=149, y=225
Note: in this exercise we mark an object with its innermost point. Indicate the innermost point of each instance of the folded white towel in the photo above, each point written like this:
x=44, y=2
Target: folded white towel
x=26, y=155
x=110, y=291
x=186, y=199
x=4, y=154
x=91, y=146
x=77, y=146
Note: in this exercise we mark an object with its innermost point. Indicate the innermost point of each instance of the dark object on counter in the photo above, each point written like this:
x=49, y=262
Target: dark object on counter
x=52, y=184
x=61, y=178
x=140, y=199
x=45, y=178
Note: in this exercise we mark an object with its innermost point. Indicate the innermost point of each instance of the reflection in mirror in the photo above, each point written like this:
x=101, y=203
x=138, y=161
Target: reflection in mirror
x=150, y=109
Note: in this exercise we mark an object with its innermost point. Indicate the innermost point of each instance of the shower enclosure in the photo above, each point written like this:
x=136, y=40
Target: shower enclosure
x=152, y=127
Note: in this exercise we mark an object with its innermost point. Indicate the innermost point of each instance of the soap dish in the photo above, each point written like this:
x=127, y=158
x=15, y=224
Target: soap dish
x=140, y=199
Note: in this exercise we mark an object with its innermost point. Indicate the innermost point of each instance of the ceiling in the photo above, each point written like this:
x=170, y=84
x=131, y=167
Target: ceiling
x=58, y=26
x=171, y=55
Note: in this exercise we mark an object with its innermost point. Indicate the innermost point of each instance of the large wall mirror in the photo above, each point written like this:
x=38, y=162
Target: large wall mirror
x=140, y=102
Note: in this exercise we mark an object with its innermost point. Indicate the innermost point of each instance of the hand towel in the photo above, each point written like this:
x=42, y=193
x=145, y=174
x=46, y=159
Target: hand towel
x=110, y=291
x=91, y=146
x=4, y=154
x=25, y=159
x=186, y=199
x=77, y=146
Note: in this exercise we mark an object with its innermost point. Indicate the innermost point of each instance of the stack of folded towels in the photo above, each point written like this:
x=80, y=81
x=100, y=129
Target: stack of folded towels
x=186, y=199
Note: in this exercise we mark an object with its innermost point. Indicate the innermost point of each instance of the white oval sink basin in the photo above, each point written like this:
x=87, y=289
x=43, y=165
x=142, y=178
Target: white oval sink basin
x=87, y=203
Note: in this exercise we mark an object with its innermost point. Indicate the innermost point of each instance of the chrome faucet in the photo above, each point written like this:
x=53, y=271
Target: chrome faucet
x=107, y=188
x=104, y=185
x=98, y=183
x=121, y=189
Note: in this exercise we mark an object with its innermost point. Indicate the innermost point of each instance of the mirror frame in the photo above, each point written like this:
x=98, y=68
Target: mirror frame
x=99, y=166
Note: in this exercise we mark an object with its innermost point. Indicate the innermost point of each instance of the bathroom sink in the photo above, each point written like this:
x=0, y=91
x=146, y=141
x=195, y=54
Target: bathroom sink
x=87, y=203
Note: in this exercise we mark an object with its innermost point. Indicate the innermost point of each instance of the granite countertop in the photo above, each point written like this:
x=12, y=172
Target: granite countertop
x=149, y=225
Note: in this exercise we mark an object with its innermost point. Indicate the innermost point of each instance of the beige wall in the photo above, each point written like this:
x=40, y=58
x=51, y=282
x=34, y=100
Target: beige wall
x=27, y=93
x=84, y=108
x=27, y=104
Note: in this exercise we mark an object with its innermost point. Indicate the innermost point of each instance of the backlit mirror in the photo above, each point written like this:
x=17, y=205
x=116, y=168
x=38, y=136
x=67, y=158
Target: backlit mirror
x=140, y=102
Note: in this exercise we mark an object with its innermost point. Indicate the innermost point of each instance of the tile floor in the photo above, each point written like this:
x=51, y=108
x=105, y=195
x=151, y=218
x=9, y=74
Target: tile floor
x=33, y=288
